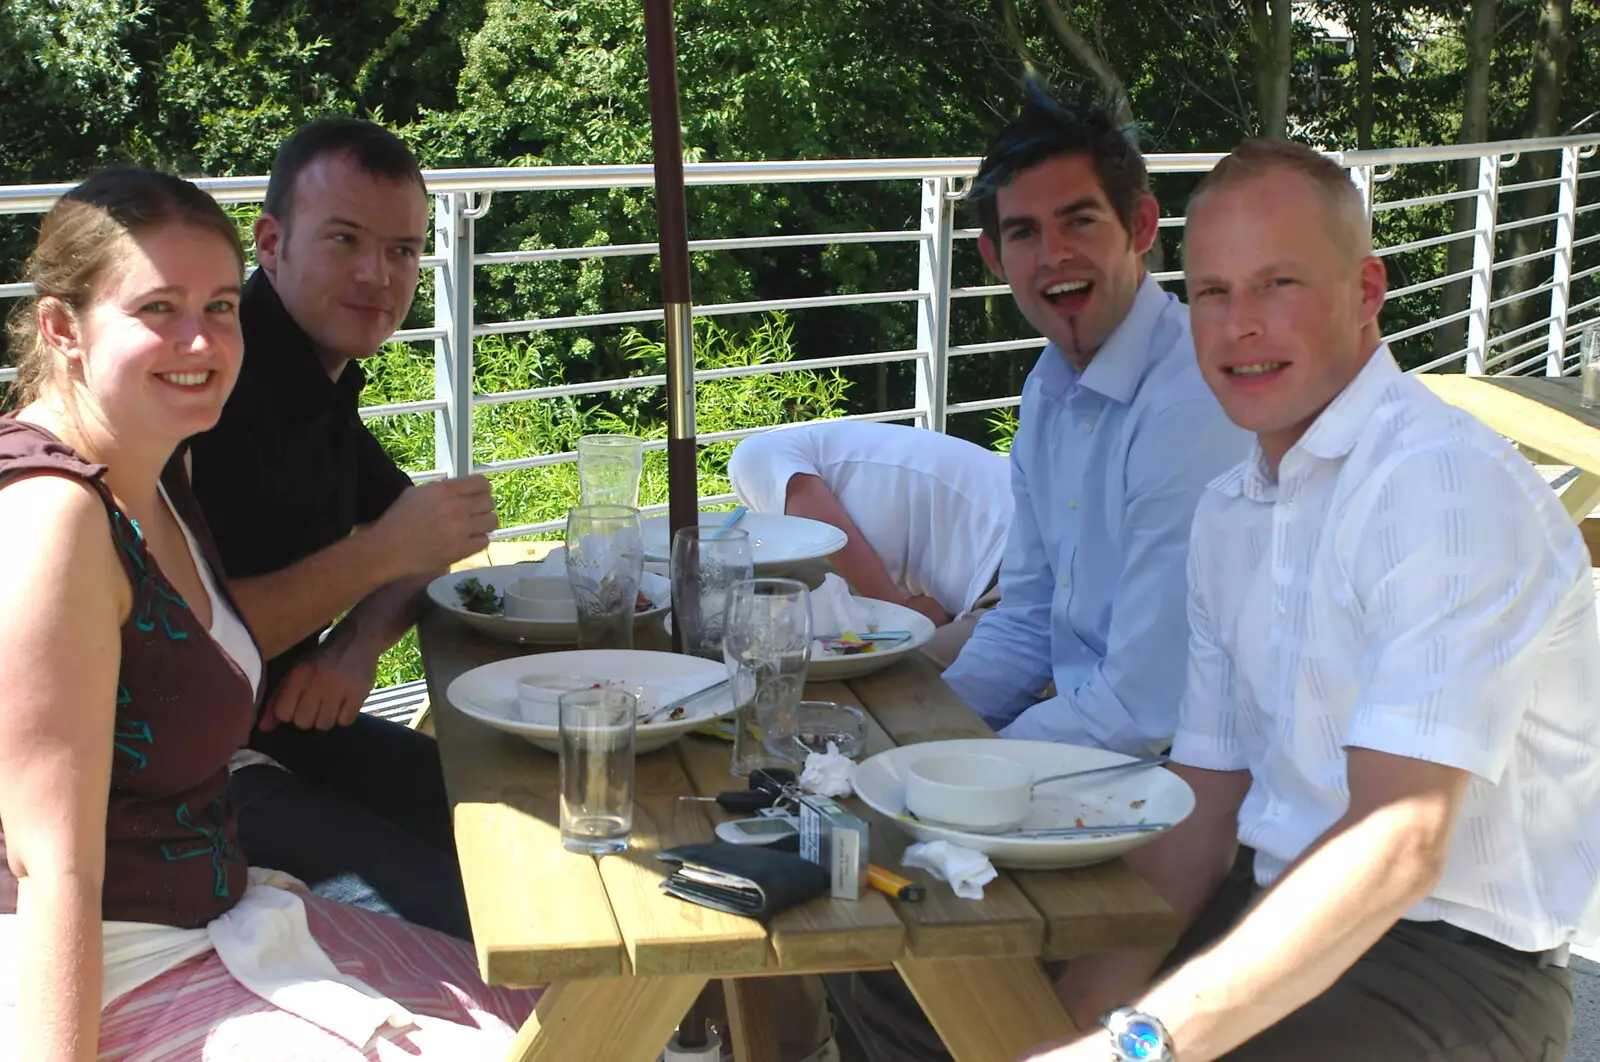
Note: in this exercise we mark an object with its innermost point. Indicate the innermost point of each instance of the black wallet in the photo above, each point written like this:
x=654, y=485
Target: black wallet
x=742, y=879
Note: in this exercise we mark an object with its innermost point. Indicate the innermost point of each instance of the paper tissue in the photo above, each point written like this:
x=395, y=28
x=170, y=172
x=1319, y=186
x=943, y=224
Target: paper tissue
x=835, y=611
x=966, y=871
x=827, y=773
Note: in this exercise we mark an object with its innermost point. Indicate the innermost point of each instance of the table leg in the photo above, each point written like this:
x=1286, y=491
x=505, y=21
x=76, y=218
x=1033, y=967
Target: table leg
x=987, y=1010
x=622, y=1019
x=1581, y=496
x=752, y=1034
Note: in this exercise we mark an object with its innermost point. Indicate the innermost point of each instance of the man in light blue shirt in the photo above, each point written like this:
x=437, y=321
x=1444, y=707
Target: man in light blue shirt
x=1119, y=436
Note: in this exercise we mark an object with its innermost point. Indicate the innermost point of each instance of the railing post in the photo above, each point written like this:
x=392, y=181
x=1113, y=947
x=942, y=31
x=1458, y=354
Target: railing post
x=1482, y=264
x=933, y=309
x=1561, y=293
x=454, y=214
x=1361, y=177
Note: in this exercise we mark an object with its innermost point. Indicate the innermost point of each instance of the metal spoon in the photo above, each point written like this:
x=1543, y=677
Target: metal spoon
x=1131, y=765
x=657, y=713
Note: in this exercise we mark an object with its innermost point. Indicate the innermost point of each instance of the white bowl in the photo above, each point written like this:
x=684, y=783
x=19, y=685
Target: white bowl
x=551, y=579
x=540, y=599
x=969, y=791
x=1154, y=796
x=490, y=694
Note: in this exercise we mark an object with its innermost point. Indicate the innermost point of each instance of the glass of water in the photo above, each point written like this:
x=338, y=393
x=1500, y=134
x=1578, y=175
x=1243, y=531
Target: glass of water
x=597, y=728
x=706, y=563
x=1589, y=365
x=605, y=558
x=609, y=467
x=767, y=645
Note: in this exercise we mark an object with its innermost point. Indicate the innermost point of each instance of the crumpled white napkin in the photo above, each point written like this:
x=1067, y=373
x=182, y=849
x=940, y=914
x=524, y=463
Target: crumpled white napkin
x=828, y=773
x=834, y=611
x=966, y=871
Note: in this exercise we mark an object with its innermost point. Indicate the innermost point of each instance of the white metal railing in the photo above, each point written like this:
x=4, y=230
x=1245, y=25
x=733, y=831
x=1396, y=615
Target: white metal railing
x=1569, y=285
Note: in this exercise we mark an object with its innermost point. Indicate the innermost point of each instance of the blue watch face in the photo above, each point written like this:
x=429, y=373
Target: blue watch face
x=1140, y=1040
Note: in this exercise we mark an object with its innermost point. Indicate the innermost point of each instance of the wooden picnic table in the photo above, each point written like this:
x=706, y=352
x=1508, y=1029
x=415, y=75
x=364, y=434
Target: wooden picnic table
x=1543, y=416
x=623, y=961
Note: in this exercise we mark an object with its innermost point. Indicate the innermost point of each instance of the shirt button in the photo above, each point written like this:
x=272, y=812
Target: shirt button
x=1087, y=427
x=1072, y=503
x=1066, y=580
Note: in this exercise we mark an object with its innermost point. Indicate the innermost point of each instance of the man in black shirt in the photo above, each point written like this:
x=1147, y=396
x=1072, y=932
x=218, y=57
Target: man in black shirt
x=314, y=520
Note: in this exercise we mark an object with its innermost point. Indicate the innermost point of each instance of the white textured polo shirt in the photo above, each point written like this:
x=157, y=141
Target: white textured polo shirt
x=1408, y=584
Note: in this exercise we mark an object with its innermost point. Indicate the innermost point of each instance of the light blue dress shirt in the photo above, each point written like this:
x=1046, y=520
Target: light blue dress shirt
x=1107, y=468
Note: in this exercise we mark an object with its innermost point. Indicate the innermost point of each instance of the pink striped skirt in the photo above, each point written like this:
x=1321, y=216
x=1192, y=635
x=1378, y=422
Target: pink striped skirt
x=197, y=1011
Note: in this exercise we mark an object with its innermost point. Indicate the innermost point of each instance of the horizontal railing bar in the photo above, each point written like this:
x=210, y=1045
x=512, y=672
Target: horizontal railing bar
x=964, y=349
x=1515, y=332
x=7, y=375
x=35, y=198
x=1517, y=370
x=704, y=439
x=408, y=335
x=1584, y=305
x=636, y=383
x=1526, y=185
x=1422, y=200
x=1436, y=362
x=1587, y=209
x=982, y=405
x=1584, y=274
x=432, y=475
x=1586, y=241
x=1431, y=241
x=1522, y=223
x=16, y=291
x=395, y=409
x=1507, y=300
x=1546, y=253
x=716, y=309
x=1412, y=289
x=623, y=250
x=1428, y=326
x=1521, y=348
x=980, y=290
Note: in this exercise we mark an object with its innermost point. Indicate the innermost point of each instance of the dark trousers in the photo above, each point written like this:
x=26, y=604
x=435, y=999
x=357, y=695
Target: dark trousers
x=1413, y=996
x=360, y=815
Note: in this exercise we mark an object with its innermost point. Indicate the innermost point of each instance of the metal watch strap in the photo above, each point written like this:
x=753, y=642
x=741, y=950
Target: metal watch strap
x=1137, y=1037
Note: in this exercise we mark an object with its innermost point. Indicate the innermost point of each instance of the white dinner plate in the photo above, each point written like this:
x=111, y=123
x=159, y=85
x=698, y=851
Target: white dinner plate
x=1153, y=795
x=775, y=540
x=489, y=693
x=883, y=616
x=442, y=592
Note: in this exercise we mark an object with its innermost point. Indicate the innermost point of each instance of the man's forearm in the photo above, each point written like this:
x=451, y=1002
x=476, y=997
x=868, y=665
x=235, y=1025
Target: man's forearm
x=856, y=563
x=286, y=606
x=1185, y=868
x=1299, y=938
x=383, y=617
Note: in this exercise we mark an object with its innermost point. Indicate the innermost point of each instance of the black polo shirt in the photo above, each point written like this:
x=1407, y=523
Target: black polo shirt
x=289, y=469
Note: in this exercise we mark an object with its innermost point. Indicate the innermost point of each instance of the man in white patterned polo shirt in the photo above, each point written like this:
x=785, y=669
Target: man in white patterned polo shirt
x=1393, y=673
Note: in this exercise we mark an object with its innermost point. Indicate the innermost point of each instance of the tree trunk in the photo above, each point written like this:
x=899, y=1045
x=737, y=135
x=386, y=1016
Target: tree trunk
x=1474, y=130
x=1364, y=74
x=1271, y=48
x=1550, y=55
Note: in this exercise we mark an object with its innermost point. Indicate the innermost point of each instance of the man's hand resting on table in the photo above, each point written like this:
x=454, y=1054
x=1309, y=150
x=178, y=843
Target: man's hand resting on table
x=324, y=690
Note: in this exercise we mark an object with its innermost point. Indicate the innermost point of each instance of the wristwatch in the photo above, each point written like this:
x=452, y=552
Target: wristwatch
x=1137, y=1037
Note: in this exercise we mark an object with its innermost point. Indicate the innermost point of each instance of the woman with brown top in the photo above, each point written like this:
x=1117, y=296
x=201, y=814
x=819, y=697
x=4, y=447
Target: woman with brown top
x=130, y=923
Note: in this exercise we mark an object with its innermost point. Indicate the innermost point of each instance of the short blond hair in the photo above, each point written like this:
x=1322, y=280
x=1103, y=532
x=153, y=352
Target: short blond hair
x=1258, y=157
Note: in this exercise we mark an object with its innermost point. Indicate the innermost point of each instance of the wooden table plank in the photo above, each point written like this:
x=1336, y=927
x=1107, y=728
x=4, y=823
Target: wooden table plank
x=1522, y=418
x=539, y=913
x=624, y=1019
x=988, y=1010
x=942, y=925
x=824, y=934
x=663, y=934
x=1091, y=909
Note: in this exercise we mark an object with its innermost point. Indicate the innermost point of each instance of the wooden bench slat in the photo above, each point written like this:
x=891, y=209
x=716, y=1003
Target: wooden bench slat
x=555, y=922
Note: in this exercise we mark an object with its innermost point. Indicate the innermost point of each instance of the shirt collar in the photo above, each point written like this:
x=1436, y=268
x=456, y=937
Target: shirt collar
x=285, y=354
x=1331, y=436
x=1119, y=366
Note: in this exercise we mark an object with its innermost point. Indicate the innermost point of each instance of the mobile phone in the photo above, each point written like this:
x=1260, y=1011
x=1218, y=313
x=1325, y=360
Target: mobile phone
x=756, y=831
